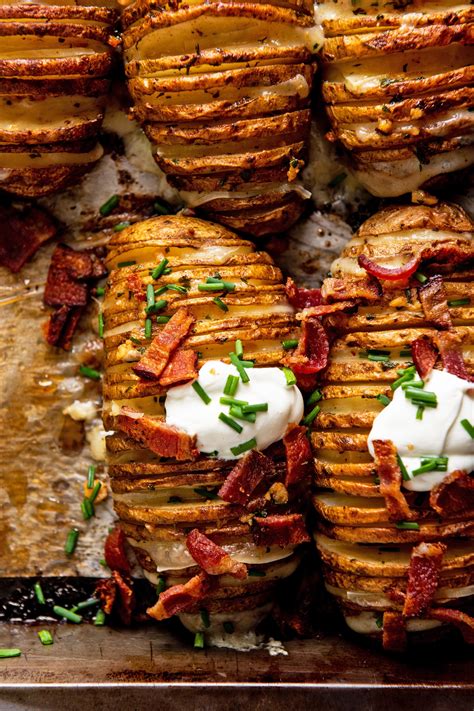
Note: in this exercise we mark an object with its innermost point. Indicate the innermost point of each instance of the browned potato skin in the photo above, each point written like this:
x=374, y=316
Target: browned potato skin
x=351, y=513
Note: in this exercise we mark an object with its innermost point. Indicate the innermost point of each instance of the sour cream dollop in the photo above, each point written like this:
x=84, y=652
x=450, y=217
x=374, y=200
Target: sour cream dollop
x=187, y=411
x=439, y=433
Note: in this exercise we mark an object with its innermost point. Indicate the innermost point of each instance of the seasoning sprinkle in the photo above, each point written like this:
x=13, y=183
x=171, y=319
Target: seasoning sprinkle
x=311, y=416
x=39, y=593
x=158, y=271
x=71, y=541
x=89, y=372
x=231, y=385
x=201, y=392
x=244, y=447
x=468, y=427
x=230, y=422
x=109, y=205
x=67, y=614
x=45, y=637
x=289, y=376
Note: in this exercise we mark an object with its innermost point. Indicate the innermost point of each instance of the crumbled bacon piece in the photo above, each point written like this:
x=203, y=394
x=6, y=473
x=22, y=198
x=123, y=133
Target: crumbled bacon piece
x=367, y=289
x=106, y=591
x=182, y=366
x=22, y=234
x=394, y=635
x=67, y=276
x=311, y=355
x=454, y=495
x=464, y=622
x=434, y=302
x=136, y=286
x=125, y=600
x=390, y=476
x=212, y=558
x=325, y=309
x=180, y=597
x=114, y=550
x=424, y=356
x=61, y=326
x=301, y=298
x=449, y=348
x=279, y=530
x=389, y=273
x=156, y=435
x=423, y=577
x=298, y=455
x=152, y=364
x=245, y=477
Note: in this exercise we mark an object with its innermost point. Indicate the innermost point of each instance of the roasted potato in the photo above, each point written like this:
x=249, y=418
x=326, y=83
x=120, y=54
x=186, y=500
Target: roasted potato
x=397, y=85
x=226, y=111
x=365, y=552
x=54, y=64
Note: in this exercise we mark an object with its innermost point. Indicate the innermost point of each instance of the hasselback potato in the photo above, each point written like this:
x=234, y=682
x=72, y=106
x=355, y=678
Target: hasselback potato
x=406, y=284
x=165, y=273
x=223, y=91
x=54, y=65
x=398, y=90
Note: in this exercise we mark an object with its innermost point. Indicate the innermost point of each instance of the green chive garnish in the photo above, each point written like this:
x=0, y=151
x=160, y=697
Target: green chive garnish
x=413, y=384
x=150, y=295
x=383, y=399
x=206, y=493
x=231, y=385
x=314, y=397
x=228, y=626
x=67, y=614
x=99, y=619
x=244, y=447
x=420, y=395
x=230, y=422
x=430, y=465
x=7, y=653
x=419, y=412
x=95, y=491
x=227, y=400
x=459, y=302
x=374, y=354
x=103, y=563
x=257, y=573
x=289, y=344
x=290, y=377
x=379, y=621
x=405, y=353
x=311, y=416
x=71, y=541
x=205, y=618
x=160, y=586
x=201, y=392
x=89, y=372
x=45, y=637
x=100, y=291
x=161, y=290
x=212, y=286
x=408, y=526
x=421, y=277
x=408, y=374
x=240, y=367
x=468, y=427
x=100, y=319
x=91, y=476
x=137, y=342
x=162, y=319
x=87, y=509
x=219, y=303
x=236, y=411
x=239, y=348
x=109, y=205
x=121, y=226
x=158, y=271
x=161, y=208
x=199, y=640
x=403, y=469
x=129, y=263
x=156, y=306
x=39, y=593
x=148, y=328
x=177, y=287
x=257, y=407
x=86, y=604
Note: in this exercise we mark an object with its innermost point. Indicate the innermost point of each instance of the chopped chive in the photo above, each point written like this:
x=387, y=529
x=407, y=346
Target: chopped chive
x=99, y=619
x=419, y=412
x=413, y=384
x=227, y=400
x=376, y=355
x=405, y=353
x=240, y=367
x=148, y=328
x=156, y=306
x=67, y=614
x=7, y=653
x=100, y=325
x=137, y=342
x=410, y=370
x=158, y=271
x=459, y=302
x=431, y=464
x=205, y=618
x=257, y=407
x=71, y=541
x=239, y=348
x=403, y=469
x=161, y=290
x=91, y=476
x=468, y=427
x=290, y=377
x=206, y=493
x=199, y=640
x=89, y=372
x=230, y=422
x=289, y=344
x=103, y=563
x=247, y=363
x=314, y=397
x=121, y=226
x=228, y=626
x=214, y=286
x=237, y=412
x=378, y=358
x=408, y=525
x=92, y=497
x=420, y=395
x=128, y=263
x=177, y=287
x=379, y=621
x=420, y=277
x=109, y=205
x=214, y=279
x=231, y=385
x=311, y=416
x=100, y=291
x=218, y=302
x=86, y=604
x=45, y=637
x=201, y=392
x=229, y=285
x=160, y=586
x=244, y=447
x=409, y=374
x=416, y=401
x=162, y=319
x=161, y=208
x=87, y=509
x=39, y=593
x=257, y=573
x=383, y=399
x=150, y=295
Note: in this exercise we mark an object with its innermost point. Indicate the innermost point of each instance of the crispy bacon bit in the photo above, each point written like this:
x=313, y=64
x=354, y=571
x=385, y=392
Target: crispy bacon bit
x=152, y=364
x=390, y=476
x=180, y=597
x=434, y=302
x=449, y=348
x=67, y=274
x=22, y=234
x=61, y=326
x=181, y=367
x=394, y=636
x=424, y=356
x=279, y=530
x=212, y=558
x=366, y=288
x=454, y=495
x=246, y=476
x=465, y=623
x=115, y=553
x=298, y=455
x=125, y=600
x=136, y=286
x=311, y=355
x=302, y=298
x=423, y=577
x=389, y=273
x=325, y=309
x=106, y=591
x=156, y=435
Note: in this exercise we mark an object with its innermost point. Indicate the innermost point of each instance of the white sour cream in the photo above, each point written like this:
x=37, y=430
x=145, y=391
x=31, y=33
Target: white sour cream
x=187, y=411
x=439, y=433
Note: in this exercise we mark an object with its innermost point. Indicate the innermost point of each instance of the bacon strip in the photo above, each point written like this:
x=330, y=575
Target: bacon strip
x=424, y=356
x=394, y=635
x=245, y=477
x=156, y=435
x=22, y=234
x=125, y=600
x=454, y=495
x=106, y=591
x=67, y=274
x=311, y=355
x=279, y=530
x=366, y=288
x=180, y=597
x=212, y=558
x=465, y=623
x=152, y=364
x=136, y=286
x=301, y=298
x=435, y=303
x=389, y=273
x=390, y=476
x=181, y=367
x=325, y=309
x=115, y=552
x=298, y=455
x=448, y=343
x=61, y=326
x=423, y=577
